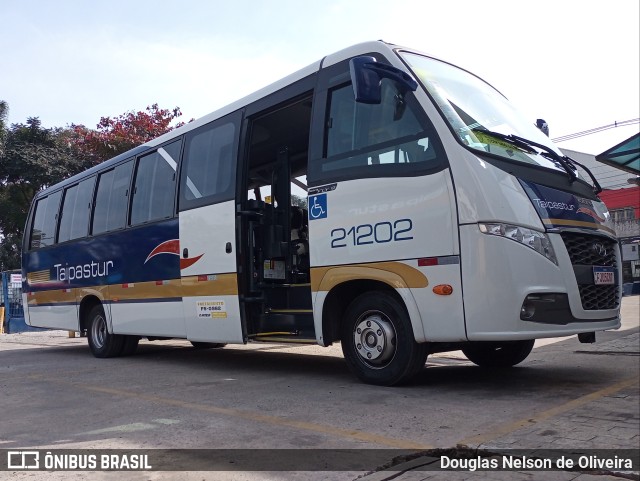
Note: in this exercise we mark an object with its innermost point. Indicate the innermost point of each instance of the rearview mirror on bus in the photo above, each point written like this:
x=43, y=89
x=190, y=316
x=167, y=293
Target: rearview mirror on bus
x=366, y=75
x=543, y=126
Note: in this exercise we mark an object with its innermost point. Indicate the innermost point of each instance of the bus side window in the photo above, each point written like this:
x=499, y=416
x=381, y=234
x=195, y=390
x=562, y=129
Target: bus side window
x=366, y=125
x=362, y=138
x=154, y=186
x=76, y=209
x=111, y=199
x=45, y=220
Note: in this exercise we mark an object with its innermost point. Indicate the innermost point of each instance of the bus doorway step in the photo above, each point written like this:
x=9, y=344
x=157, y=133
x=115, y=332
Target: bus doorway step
x=286, y=320
x=299, y=337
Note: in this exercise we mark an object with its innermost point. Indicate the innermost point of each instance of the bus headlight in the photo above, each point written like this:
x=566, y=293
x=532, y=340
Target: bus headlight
x=538, y=241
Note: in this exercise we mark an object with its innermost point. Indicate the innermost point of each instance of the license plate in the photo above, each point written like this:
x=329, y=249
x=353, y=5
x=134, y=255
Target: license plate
x=603, y=276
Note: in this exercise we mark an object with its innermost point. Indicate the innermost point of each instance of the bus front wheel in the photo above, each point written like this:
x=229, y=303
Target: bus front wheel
x=498, y=354
x=378, y=342
x=101, y=342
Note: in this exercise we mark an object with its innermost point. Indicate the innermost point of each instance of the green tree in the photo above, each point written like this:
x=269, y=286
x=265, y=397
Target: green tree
x=10, y=252
x=31, y=158
x=4, y=112
x=299, y=201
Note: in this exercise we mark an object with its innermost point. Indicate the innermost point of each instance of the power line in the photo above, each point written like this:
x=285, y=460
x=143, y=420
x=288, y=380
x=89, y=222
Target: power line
x=596, y=130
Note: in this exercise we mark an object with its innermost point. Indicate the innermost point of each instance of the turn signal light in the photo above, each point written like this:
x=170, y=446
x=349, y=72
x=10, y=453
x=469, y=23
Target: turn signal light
x=443, y=290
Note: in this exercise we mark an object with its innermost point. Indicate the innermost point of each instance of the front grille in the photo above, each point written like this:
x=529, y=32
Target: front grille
x=598, y=297
x=591, y=250
x=581, y=251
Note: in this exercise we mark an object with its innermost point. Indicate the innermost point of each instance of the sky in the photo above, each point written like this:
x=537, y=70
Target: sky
x=574, y=63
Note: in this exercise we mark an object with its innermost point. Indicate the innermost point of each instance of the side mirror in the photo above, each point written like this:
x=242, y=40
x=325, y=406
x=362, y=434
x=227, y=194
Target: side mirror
x=366, y=75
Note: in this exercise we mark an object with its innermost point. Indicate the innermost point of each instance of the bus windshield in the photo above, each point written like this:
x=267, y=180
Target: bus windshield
x=480, y=116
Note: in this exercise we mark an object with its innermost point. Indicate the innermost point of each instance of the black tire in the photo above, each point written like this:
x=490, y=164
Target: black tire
x=498, y=354
x=130, y=345
x=207, y=345
x=101, y=342
x=378, y=342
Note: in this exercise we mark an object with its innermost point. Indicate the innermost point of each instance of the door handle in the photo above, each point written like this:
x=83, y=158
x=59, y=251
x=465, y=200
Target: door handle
x=228, y=248
x=185, y=253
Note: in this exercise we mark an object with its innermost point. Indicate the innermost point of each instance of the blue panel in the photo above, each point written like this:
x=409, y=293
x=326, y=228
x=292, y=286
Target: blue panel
x=317, y=206
x=558, y=208
x=146, y=253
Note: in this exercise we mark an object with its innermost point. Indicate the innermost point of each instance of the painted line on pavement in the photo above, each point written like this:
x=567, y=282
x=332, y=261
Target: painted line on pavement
x=510, y=427
x=247, y=415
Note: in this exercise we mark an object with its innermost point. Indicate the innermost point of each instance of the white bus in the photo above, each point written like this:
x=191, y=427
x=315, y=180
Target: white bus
x=437, y=219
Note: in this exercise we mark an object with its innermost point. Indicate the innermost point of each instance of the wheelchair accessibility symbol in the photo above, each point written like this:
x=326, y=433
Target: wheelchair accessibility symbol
x=318, y=207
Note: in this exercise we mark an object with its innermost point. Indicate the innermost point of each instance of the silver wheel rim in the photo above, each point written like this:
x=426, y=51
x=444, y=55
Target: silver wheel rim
x=99, y=331
x=374, y=339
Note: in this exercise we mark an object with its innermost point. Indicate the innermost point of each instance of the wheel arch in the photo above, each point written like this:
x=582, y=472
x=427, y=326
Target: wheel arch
x=86, y=305
x=344, y=284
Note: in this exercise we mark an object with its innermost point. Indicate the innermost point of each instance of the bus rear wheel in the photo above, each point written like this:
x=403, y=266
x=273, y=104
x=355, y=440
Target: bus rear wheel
x=378, y=342
x=101, y=342
x=498, y=354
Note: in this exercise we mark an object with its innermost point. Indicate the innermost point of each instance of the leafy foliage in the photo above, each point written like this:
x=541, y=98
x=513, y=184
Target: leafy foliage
x=116, y=135
x=9, y=252
x=4, y=112
x=299, y=201
x=33, y=158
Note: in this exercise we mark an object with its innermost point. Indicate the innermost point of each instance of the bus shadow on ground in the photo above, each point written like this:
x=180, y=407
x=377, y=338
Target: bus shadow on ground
x=448, y=374
x=460, y=375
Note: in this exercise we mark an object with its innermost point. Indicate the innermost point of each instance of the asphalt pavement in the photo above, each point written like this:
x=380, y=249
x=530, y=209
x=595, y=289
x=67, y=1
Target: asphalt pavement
x=567, y=398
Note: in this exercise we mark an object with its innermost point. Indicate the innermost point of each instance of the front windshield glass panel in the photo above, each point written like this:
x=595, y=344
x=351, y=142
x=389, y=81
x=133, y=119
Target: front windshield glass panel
x=473, y=108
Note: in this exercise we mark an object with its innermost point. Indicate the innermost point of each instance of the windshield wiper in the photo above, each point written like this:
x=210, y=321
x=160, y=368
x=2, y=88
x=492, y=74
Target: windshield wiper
x=511, y=139
x=596, y=185
x=567, y=163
